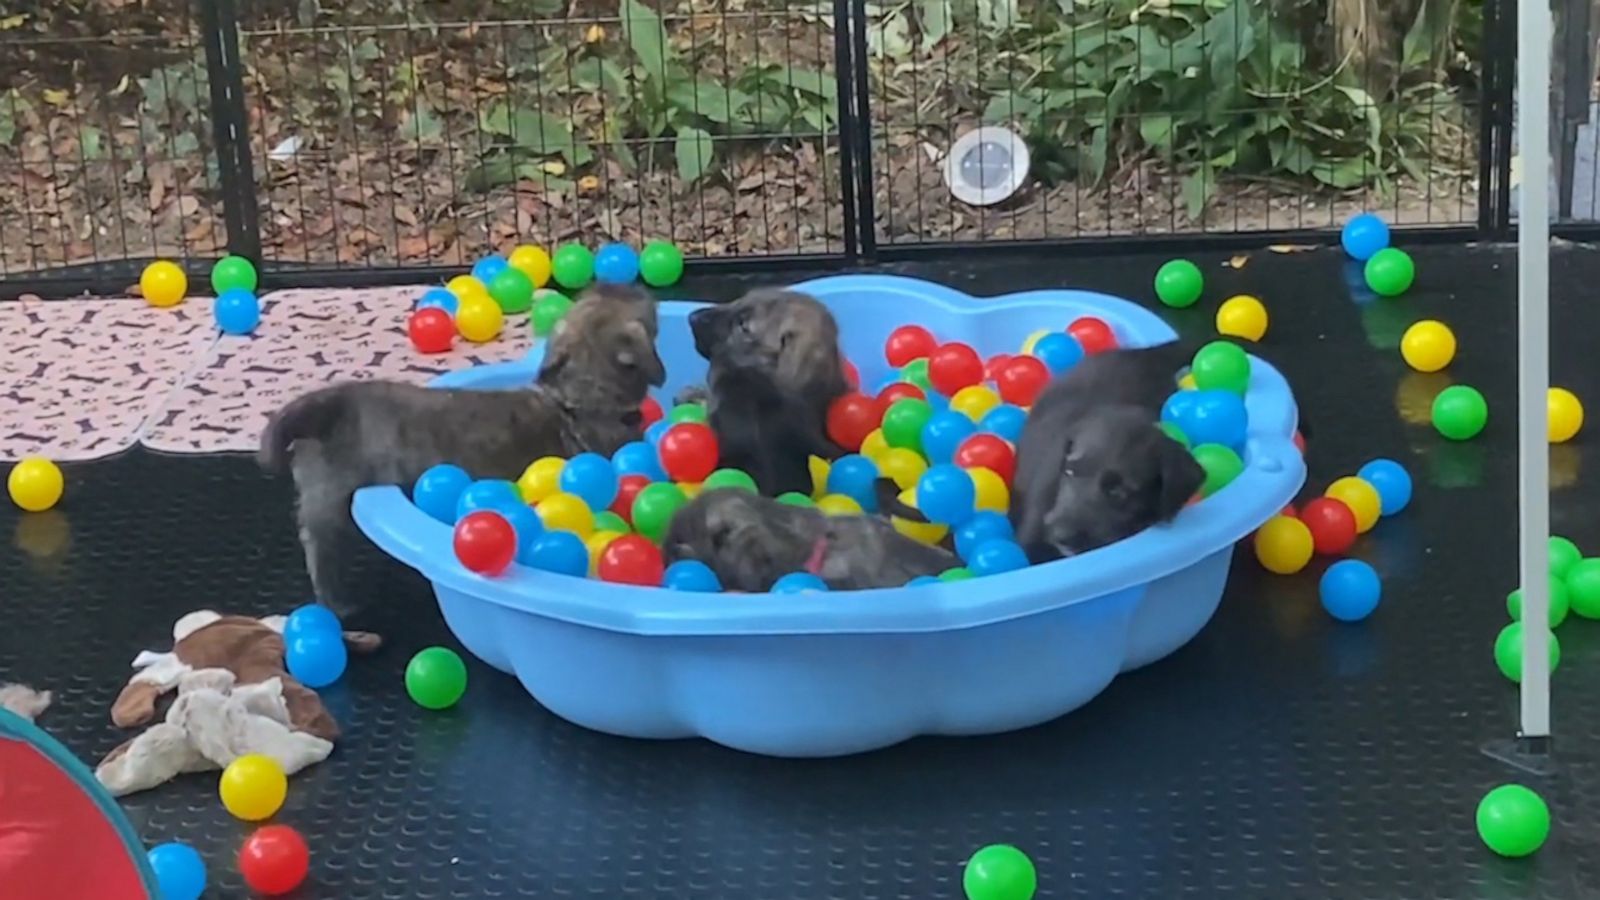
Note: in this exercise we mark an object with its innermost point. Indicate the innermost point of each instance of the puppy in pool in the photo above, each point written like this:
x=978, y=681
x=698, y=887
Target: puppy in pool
x=1092, y=465
x=598, y=364
x=774, y=370
x=751, y=541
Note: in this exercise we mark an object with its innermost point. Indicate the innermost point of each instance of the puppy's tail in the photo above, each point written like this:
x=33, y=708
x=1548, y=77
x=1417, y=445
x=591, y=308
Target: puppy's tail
x=308, y=416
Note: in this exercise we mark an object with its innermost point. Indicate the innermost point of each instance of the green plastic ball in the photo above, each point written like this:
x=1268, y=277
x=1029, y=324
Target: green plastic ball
x=1221, y=466
x=1179, y=283
x=902, y=423
x=1174, y=432
x=549, y=307
x=1508, y=652
x=1220, y=365
x=1560, y=602
x=1460, y=412
x=654, y=507
x=795, y=498
x=512, y=289
x=1583, y=588
x=1513, y=821
x=1000, y=872
x=233, y=273
x=573, y=266
x=1564, y=554
x=1390, y=272
x=436, y=678
x=688, y=412
x=606, y=520
x=916, y=372
x=731, y=478
x=959, y=573
x=660, y=263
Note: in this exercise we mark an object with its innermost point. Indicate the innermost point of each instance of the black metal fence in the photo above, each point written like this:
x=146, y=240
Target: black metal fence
x=399, y=140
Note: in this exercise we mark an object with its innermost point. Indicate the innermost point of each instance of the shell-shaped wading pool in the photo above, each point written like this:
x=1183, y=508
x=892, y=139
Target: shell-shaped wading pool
x=826, y=674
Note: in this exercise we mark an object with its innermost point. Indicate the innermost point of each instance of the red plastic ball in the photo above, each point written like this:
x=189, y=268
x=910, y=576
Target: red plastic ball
x=988, y=451
x=689, y=452
x=485, y=542
x=900, y=390
x=1300, y=442
x=851, y=418
x=631, y=559
x=274, y=860
x=650, y=411
x=852, y=375
x=908, y=342
x=1021, y=380
x=1332, y=524
x=954, y=366
x=628, y=487
x=431, y=330
x=1094, y=334
x=991, y=369
x=1290, y=511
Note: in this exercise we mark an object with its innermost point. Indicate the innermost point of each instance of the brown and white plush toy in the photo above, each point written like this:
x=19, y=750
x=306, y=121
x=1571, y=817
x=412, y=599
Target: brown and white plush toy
x=234, y=696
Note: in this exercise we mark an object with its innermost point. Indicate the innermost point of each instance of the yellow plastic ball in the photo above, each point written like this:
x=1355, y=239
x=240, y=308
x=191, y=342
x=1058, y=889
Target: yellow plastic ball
x=479, y=320
x=163, y=283
x=597, y=544
x=35, y=483
x=975, y=401
x=1283, y=545
x=819, y=475
x=839, y=505
x=1242, y=317
x=465, y=287
x=1186, y=383
x=533, y=262
x=691, y=490
x=541, y=478
x=992, y=493
x=904, y=467
x=929, y=533
x=1027, y=345
x=1361, y=497
x=566, y=512
x=1428, y=346
x=253, y=787
x=875, y=446
x=1566, y=415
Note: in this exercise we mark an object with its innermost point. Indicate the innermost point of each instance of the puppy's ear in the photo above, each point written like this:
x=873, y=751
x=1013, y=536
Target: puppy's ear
x=635, y=350
x=1180, y=477
x=557, y=351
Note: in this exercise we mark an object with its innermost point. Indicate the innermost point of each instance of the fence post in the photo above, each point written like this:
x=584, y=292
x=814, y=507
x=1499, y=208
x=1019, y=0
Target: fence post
x=844, y=74
x=866, y=215
x=231, y=128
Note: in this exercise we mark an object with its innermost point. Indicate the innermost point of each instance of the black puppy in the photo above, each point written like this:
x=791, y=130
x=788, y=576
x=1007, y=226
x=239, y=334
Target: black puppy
x=1092, y=465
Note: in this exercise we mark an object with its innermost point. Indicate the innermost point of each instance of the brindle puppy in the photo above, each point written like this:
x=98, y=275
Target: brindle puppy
x=1092, y=466
x=775, y=369
x=598, y=364
x=752, y=541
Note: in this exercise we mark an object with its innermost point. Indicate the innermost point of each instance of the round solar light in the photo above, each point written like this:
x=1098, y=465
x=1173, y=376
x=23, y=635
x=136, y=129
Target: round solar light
x=986, y=165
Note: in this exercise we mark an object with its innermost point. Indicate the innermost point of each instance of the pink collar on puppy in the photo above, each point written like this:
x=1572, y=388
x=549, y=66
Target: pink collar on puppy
x=814, y=561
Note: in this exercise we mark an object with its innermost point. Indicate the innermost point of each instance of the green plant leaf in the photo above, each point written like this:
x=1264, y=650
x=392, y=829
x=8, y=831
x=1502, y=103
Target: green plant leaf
x=935, y=18
x=811, y=81
x=1342, y=173
x=1157, y=131
x=646, y=37
x=706, y=97
x=420, y=126
x=694, y=150
x=1097, y=155
x=90, y=143
x=528, y=129
x=1369, y=111
x=1198, y=188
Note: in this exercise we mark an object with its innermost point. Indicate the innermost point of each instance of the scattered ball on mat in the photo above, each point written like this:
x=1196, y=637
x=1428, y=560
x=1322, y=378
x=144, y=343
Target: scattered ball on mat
x=465, y=287
x=512, y=289
x=573, y=266
x=431, y=330
x=1560, y=602
x=661, y=263
x=253, y=787
x=1363, y=236
x=1508, y=651
x=1361, y=497
x=237, y=311
x=533, y=262
x=1428, y=346
x=479, y=319
x=1566, y=415
x=1284, y=545
x=1564, y=554
x=163, y=283
x=436, y=678
x=549, y=307
x=441, y=298
x=180, y=872
x=1583, y=588
x=233, y=273
x=317, y=658
x=1179, y=283
x=489, y=268
x=1460, y=412
x=999, y=872
x=1513, y=821
x=1332, y=524
x=1242, y=317
x=1391, y=481
x=274, y=860
x=35, y=484
x=1390, y=272
x=1350, y=590
x=616, y=263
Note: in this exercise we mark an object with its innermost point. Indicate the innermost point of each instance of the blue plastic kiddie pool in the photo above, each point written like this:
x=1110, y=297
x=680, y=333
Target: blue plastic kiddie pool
x=825, y=674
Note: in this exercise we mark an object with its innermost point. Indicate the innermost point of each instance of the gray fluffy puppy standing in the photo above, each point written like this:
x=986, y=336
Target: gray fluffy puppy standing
x=599, y=362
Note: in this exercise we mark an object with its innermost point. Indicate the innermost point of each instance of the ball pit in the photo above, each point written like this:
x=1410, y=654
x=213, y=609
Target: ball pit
x=673, y=663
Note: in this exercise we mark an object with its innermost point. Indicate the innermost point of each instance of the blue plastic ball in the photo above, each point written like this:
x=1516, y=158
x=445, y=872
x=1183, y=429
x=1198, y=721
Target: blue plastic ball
x=490, y=493
x=309, y=618
x=997, y=555
x=441, y=298
x=943, y=434
x=1209, y=417
x=180, y=872
x=798, y=583
x=1005, y=420
x=561, y=552
x=525, y=522
x=1350, y=590
x=317, y=658
x=946, y=495
x=639, y=458
x=856, y=477
x=654, y=432
x=691, y=575
x=1059, y=352
x=616, y=264
x=237, y=311
x=985, y=525
x=1392, y=482
x=489, y=268
x=438, y=491
x=921, y=580
x=591, y=477
x=1364, y=235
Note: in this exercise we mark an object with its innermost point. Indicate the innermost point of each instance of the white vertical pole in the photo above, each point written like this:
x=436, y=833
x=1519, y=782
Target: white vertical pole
x=1533, y=358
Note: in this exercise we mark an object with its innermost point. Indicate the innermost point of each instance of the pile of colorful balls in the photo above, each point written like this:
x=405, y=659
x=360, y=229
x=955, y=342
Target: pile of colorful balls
x=475, y=305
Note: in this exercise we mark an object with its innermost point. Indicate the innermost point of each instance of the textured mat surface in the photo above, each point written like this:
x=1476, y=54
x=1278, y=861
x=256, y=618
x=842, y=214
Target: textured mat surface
x=1278, y=756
